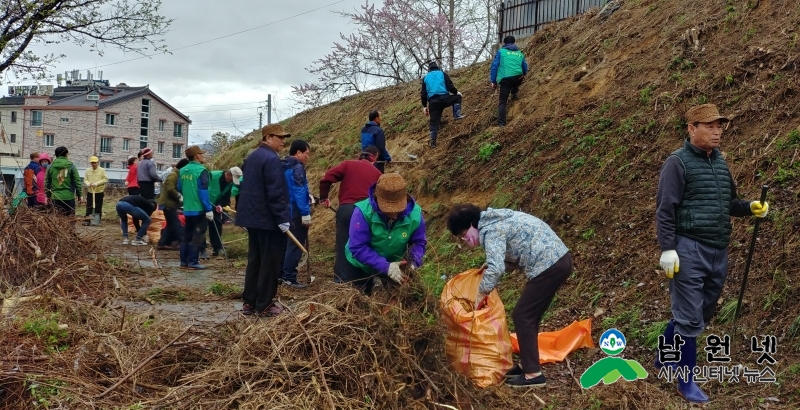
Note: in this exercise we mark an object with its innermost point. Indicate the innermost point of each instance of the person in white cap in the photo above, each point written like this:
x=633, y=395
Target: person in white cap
x=219, y=192
x=95, y=181
x=147, y=175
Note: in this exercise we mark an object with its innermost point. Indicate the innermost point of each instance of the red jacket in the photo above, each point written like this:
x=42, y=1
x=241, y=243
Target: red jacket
x=356, y=177
x=133, y=181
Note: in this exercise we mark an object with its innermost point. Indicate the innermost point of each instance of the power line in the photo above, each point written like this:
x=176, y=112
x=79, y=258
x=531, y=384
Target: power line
x=218, y=38
x=231, y=109
x=218, y=105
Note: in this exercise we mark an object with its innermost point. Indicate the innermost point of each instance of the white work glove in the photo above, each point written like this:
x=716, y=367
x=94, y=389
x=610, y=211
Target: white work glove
x=306, y=220
x=395, y=273
x=425, y=110
x=284, y=227
x=311, y=199
x=459, y=94
x=670, y=263
x=210, y=216
x=180, y=198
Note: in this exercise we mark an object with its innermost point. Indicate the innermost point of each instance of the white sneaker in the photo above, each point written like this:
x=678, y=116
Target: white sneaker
x=125, y=241
x=138, y=242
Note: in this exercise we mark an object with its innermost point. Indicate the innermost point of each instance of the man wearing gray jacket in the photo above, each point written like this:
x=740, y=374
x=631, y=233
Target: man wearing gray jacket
x=147, y=175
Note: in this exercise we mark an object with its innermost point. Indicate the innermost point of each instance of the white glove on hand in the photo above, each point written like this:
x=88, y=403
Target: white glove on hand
x=284, y=227
x=459, y=94
x=210, y=216
x=306, y=220
x=425, y=110
x=180, y=198
x=311, y=199
x=670, y=263
x=395, y=273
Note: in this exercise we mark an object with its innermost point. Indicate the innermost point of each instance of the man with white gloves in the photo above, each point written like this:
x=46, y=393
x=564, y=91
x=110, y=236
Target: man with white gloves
x=193, y=187
x=263, y=208
x=387, y=231
x=695, y=202
x=299, y=208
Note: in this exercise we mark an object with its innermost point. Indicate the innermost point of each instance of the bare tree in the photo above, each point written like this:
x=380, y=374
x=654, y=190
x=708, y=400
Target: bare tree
x=394, y=42
x=129, y=25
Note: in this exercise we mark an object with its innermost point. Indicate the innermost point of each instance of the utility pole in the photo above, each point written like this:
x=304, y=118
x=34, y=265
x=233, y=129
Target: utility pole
x=260, y=116
x=269, y=109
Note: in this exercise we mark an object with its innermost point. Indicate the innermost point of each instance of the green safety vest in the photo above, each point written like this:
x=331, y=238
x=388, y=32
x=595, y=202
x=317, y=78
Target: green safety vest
x=213, y=187
x=389, y=243
x=510, y=64
x=190, y=175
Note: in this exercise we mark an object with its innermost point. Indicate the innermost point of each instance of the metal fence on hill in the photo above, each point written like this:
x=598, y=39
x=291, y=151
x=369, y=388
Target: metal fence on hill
x=521, y=18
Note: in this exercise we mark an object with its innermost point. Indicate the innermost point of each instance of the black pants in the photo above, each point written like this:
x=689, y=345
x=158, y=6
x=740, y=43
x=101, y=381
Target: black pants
x=264, y=258
x=293, y=253
x=534, y=301
x=436, y=105
x=91, y=206
x=194, y=234
x=65, y=208
x=340, y=264
x=508, y=85
x=134, y=191
x=215, y=231
x=147, y=189
x=381, y=165
x=173, y=230
x=31, y=200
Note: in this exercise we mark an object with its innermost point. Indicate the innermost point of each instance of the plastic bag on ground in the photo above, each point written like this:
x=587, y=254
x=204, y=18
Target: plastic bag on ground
x=154, y=230
x=478, y=344
x=555, y=346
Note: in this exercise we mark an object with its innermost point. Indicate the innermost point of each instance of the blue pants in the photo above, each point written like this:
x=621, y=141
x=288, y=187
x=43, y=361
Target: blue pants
x=696, y=287
x=123, y=210
x=293, y=253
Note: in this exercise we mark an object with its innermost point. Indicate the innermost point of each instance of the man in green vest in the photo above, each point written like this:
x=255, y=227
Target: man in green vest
x=508, y=70
x=193, y=183
x=695, y=202
x=220, y=192
x=386, y=231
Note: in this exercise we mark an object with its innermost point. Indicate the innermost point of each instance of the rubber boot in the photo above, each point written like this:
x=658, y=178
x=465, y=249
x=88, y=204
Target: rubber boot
x=184, y=256
x=433, y=139
x=193, y=253
x=686, y=386
x=457, y=112
x=669, y=337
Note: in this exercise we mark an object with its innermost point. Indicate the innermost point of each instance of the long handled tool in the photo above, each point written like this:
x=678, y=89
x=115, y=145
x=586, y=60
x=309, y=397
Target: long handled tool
x=224, y=251
x=747, y=263
x=300, y=246
x=308, y=262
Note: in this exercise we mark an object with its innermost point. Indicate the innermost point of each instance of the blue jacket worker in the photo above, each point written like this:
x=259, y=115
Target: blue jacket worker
x=299, y=208
x=263, y=209
x=372, y=134
x=508, y=70
x=438, y=93
x=695, y=202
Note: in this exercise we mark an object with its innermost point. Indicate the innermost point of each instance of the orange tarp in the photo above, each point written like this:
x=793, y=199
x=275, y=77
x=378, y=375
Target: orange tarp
x=555, y=346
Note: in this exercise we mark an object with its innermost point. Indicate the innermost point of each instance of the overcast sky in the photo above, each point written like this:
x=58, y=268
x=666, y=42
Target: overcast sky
x=240, y=69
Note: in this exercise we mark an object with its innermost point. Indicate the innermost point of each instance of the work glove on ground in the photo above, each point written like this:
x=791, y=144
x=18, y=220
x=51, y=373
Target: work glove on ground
x=326, y=203
x=670, y=263
x=480, y=300
x=395, y=273
x=306, y=219
x=284, y=227
x=759, y=210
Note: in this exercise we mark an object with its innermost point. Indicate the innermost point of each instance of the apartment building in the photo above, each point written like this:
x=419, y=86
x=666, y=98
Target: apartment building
x=111, y=122
x=11, y=126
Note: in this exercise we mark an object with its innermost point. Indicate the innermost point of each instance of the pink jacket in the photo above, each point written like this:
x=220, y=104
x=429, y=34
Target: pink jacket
x=41, y=196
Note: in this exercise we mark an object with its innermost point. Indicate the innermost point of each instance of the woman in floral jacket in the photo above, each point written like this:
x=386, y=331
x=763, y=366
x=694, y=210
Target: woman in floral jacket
x=515, y=240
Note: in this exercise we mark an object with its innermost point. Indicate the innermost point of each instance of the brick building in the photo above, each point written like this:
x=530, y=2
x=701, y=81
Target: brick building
x=112, y=123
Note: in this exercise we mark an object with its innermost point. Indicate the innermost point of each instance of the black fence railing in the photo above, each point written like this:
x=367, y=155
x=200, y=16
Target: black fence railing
x=521, y=18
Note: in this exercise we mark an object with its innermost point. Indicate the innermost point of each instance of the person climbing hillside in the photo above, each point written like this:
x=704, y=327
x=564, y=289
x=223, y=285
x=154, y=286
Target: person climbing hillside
x=438, y=93
x=356, y=176
x=63, y=183
x=132, y=179
x=29, y=178
x=517, y=241
x=95, y=181
x=193, y=181
x=508, y=70
x=695, y=202
x=299, y=208
x=140, y=210
x=372, y=134
x=387, y=230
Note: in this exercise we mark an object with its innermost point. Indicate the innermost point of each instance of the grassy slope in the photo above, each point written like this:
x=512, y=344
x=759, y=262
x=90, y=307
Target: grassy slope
x=599, y=112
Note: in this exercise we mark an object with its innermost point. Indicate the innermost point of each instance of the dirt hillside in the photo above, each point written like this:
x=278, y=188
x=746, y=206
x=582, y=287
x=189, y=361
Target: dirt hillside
x=599, y=112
